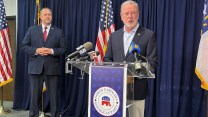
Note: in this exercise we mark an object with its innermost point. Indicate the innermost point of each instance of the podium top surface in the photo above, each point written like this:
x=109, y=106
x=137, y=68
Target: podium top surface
x=144, y=72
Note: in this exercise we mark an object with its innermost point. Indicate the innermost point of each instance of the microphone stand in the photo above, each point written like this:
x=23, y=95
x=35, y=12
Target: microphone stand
x=143, y=57
x=137, y=63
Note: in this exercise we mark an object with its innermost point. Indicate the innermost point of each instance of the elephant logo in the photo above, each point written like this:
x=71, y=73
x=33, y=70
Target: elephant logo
x=106, y=101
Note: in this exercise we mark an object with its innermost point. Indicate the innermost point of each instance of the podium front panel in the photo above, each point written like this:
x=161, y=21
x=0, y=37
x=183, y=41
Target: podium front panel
x=107, y=91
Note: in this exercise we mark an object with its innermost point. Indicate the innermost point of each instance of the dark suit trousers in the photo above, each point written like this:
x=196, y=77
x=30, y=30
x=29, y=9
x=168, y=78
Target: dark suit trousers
x=36, y=84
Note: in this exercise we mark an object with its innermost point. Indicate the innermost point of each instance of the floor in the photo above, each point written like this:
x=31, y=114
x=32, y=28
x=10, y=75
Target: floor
x=9, y=112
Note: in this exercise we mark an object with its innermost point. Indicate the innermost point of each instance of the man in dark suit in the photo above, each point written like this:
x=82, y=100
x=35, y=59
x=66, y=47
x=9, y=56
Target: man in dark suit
x=117, y=51
x=44, y=44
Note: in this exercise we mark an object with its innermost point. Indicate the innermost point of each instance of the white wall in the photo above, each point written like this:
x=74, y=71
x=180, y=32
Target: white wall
x=10, y=7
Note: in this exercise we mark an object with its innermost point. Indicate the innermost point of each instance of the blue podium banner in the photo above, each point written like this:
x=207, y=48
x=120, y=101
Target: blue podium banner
x=107, y=91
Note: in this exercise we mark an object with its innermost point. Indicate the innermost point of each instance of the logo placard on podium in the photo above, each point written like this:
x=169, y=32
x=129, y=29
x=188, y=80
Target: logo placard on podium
x=107, y=91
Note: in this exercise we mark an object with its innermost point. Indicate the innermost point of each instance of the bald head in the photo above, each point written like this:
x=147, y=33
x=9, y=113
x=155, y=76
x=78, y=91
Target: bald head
x=44, y=10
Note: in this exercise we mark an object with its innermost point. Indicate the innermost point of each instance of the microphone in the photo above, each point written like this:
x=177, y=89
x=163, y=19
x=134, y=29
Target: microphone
x=135, y=49
x=80, y=51
x=90, y=56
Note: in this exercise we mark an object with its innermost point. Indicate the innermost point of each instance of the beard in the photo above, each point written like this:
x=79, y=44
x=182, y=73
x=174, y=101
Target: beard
x=131, y=25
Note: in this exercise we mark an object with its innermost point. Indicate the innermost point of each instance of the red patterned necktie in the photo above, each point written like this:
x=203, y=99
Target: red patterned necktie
x=45, y=34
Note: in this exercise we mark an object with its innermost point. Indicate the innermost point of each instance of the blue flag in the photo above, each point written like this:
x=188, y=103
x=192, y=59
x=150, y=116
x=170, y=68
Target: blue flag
x=201, y=69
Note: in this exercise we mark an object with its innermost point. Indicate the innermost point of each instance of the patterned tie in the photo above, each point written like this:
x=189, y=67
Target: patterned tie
x=45, y=34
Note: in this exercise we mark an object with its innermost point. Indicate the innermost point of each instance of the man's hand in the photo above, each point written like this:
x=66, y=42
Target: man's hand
x=43, y=51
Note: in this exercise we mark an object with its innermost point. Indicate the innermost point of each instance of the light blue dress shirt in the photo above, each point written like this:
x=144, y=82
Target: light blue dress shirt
x=128, y=37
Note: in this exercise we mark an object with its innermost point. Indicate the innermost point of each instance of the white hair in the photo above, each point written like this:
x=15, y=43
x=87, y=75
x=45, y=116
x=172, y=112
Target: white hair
x=129, y=2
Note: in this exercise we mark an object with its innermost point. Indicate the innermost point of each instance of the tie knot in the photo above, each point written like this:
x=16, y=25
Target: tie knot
x=45, y=28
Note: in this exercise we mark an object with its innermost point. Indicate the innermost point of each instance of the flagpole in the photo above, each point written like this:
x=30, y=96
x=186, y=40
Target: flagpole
x=42, y=113
x=106, y=14
x=106, y=27
x=2, y=110
x=38, y=14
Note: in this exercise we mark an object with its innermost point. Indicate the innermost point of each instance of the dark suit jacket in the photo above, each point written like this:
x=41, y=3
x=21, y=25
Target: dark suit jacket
x=147, y=42
x=33, y=40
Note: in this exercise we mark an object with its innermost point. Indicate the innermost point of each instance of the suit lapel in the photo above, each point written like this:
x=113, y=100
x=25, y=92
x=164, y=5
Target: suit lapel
x=51, y=32
x=40, y=33
x=138, y=35
x=120, y=41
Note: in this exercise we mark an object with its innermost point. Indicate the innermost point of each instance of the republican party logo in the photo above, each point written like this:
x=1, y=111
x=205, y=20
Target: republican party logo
x=106, y=101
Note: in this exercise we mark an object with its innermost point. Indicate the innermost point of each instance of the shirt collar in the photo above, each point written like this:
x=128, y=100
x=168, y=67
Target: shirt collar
x=48, y=27
x=134, y=30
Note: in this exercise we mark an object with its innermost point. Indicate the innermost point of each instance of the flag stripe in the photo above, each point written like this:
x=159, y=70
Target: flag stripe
x=3, y=75
x=6, y=50
x=5, y=71
x=6, y=32
x=6, y=44
x=99, y=47
x=5, y=62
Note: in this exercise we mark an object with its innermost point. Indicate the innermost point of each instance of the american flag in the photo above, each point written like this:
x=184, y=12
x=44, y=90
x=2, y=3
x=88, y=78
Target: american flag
x=106, y=27
x=201, y=69
x=5, y=49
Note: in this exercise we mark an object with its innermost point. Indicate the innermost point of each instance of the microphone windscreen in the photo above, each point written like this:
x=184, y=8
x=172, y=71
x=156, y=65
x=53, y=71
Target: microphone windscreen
x=87, y=46
x=134, y=48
